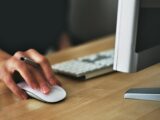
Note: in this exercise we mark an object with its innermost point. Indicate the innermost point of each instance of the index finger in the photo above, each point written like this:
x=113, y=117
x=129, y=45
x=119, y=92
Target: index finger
x=45, y=65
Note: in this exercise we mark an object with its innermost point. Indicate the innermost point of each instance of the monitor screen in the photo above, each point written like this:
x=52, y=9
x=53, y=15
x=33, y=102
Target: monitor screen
x=137, y=35
x=148, y=34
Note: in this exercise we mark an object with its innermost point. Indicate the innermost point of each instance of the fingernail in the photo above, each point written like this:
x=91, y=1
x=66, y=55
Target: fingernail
x=45, y=89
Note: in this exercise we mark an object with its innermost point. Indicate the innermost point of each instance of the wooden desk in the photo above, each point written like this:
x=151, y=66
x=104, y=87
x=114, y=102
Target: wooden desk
x=100, y=98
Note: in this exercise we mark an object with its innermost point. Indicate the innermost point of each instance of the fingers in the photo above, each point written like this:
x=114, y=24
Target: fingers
x=7, y=78
x=33, y=77
x=38, y=75
x=46, y=68
x=20, y=54
x=15, y=64
x=42, y=77
x=44, y=86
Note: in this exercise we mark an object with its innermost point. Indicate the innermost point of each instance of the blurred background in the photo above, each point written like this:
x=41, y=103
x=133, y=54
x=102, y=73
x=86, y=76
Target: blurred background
x=54, y=25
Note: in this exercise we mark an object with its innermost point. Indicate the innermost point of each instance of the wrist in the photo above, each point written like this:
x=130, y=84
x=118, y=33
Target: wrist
x=3, y=57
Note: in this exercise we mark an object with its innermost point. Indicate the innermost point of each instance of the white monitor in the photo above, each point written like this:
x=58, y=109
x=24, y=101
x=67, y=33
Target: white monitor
x=138, y=40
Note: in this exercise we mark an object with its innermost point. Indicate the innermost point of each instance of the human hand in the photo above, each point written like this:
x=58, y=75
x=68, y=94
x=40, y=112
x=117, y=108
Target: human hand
x=41, y=78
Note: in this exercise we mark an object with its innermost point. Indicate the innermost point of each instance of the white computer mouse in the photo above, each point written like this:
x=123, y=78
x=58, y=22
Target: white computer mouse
x=56, y=94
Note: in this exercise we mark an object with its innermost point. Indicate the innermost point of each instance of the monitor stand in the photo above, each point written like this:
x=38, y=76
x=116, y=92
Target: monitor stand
x=143, y=94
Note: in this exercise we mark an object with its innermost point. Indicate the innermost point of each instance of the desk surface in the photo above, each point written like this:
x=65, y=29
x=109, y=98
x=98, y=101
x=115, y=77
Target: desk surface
x=100, y=98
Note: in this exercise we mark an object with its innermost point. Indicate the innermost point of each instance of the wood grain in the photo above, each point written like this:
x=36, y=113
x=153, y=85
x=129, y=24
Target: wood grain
x=99, y=98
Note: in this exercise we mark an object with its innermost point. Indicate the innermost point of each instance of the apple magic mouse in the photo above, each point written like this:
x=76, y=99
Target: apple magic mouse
x=56, y=94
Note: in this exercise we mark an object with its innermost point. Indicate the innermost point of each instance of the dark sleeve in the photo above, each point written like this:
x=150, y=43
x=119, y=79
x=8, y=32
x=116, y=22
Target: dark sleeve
x=31, y=24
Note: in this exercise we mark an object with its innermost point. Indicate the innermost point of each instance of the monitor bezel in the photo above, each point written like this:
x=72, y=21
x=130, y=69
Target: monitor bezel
x=126, y=58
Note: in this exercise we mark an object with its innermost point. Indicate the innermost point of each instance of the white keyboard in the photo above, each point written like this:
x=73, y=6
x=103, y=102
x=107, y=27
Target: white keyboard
x=88, y=66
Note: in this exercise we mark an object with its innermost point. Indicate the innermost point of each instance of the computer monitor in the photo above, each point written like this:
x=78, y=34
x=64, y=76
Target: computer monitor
x=138, y=41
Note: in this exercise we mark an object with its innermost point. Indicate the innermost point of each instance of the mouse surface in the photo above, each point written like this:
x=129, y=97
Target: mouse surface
x=56, y=94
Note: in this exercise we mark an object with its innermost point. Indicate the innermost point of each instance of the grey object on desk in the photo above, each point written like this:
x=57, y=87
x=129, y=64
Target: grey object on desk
x=143, y=94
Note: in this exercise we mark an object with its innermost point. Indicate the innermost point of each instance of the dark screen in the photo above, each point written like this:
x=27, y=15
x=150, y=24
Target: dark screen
x=148, y=29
